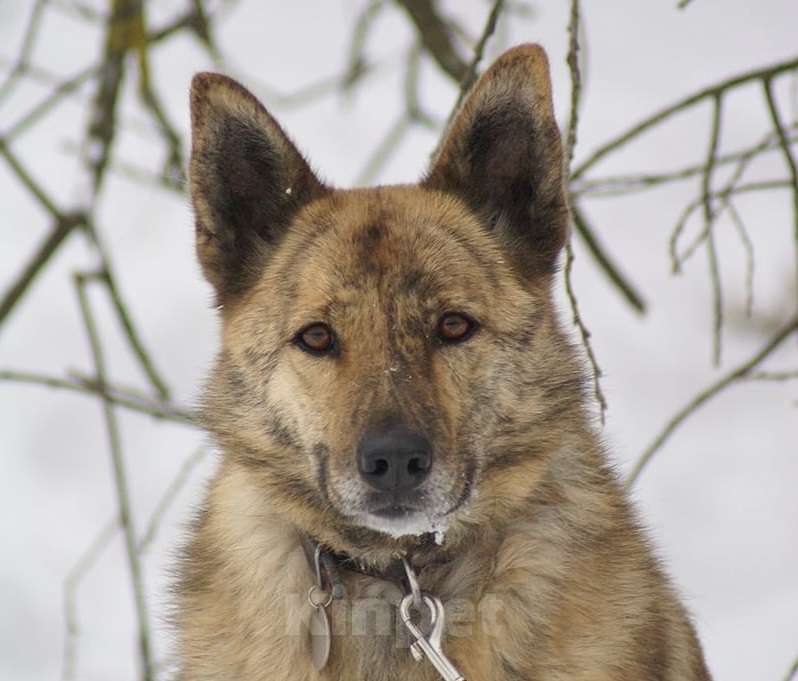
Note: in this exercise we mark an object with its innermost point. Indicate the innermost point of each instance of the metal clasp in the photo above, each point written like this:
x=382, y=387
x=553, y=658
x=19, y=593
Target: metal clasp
x=427, y=645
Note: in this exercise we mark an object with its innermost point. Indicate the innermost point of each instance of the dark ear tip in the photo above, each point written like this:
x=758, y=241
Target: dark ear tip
x=205, y=82
x=528, y=59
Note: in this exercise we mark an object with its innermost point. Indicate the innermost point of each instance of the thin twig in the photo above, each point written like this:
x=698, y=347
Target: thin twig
x=470, y=76
x=385, y=149
x=21, y=66
x=572, y=60
x=709, y=218
x=622, y=185
x=19, y=287
x=434, y=33
x=776, y=376
x=682, y=104
x=356, y=62
x=792, y=671
x=748, y=246
x=412, y=104
x=120, y=482
x=120, y=397
x=71, y=583
x=131, y=333
x=30, y=184
x=722, y=195
x=739, y=372
x=613, y=272
x=168, y=497
x=767, y=85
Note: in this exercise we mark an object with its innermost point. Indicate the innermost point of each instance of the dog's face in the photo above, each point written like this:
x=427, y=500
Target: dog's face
x=391, y=366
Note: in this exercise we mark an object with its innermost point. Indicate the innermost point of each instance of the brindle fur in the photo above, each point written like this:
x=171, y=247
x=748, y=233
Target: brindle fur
x=541, y=541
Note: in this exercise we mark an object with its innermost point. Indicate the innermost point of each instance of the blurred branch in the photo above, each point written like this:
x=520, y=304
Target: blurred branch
x=685, y=103
x=167, y=499
x=356, y=61
x=470, y=76
x=167, y=411
x=435, y=35
x=619, y=185
x=120, y=479
x=776, y=376
x=709, y=218
x=62, y=228
x=723, y=195
x=108, y=277
x=742, y=371
x=767, y=86
x=792, y=671
x=23, y=58
x=70, y=588
x=748, y=246
x=572, y=60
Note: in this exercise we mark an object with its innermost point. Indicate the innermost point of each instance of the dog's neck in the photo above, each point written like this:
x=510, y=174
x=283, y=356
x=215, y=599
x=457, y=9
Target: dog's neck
x=333, y=565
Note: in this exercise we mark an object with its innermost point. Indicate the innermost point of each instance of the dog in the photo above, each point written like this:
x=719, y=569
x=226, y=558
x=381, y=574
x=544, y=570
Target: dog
x=410, y=469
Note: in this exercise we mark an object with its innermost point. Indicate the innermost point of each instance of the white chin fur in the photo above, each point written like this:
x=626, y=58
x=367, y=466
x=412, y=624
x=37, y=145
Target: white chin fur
x=412, y=525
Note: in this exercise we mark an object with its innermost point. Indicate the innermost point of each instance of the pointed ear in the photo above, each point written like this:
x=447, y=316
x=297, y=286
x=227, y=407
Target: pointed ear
x=502, y=156
x=247, y=182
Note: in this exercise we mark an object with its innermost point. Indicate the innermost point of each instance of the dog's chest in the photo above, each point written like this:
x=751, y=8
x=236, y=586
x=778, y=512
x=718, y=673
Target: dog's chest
x=368, y=639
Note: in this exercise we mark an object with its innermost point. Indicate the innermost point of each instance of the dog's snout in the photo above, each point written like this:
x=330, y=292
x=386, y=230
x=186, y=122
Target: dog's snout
x=394, y=459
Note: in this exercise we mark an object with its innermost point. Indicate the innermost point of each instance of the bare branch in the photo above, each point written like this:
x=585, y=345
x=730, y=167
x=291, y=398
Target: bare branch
x=723, y=195
x=120, y=481
x=775, y=376
x=70, y=588
x=384, y=151
x=709, y=218
x=767, y=85
x=613, y=272
x=435, y=34
x=166, y=501
x=58, y=233
x=572, y=60
x=620, y=185
x=166, y=411
x=21, y=66
x=470, y=76
x=681, y=105
x=30, y=184
x=792, y=671
x=131, y=333
x=742, y=371
x=748, y=245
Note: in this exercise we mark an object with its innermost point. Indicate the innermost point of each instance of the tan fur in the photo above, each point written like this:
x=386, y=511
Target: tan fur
x=543, y=569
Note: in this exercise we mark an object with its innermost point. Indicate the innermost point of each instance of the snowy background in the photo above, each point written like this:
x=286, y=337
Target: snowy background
x=720, y=498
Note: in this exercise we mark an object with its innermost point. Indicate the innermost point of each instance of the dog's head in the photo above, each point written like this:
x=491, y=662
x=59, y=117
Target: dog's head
x=391, y=364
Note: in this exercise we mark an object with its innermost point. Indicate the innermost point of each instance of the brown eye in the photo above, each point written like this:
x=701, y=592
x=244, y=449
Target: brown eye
x=455, y=327
x=317, y=339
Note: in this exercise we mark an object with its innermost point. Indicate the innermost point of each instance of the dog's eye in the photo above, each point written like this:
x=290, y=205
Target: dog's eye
x=455, y=327
x=317, y=339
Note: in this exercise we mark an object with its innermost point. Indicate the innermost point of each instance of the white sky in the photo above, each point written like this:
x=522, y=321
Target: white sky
x=719, y=499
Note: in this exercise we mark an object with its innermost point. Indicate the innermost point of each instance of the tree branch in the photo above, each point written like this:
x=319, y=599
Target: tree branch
x=682, y=104
x=742, y=371
x=166, y=411
x=120, y=482
x=434, y=33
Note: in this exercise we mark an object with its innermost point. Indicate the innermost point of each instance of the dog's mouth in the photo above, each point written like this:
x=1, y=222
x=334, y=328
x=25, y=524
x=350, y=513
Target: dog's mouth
x=394, y=511
x=429, y=510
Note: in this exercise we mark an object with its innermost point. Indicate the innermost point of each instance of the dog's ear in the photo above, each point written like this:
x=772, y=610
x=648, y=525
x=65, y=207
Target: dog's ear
x=247, y=181
x=502, y=156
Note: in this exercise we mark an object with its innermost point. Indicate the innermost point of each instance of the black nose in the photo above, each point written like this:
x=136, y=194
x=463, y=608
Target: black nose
x=394, y=459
